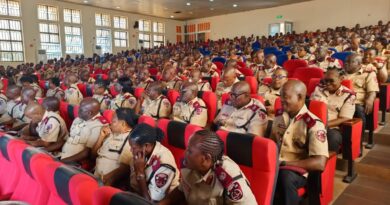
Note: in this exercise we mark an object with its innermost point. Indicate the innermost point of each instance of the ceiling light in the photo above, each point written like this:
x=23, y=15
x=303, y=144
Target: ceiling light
x=172, y=17
x=235, y=5
x=85, y=2
x=188, y=4
x=118, y=7
x=212, y=9
x=211, y=0
x=191, y=12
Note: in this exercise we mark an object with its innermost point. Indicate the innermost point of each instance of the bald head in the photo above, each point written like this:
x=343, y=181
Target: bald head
x=13, y=92
x=353, y=63
x=51, y=104
x=270, y=61
x=35, y=112
x=242, y=87
x=89, y=107
x=28, y=94
x=293, y=95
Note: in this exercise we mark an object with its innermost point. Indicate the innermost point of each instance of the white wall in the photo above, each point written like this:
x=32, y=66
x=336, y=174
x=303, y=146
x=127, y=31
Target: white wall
x=312, y=15
x=31, y=31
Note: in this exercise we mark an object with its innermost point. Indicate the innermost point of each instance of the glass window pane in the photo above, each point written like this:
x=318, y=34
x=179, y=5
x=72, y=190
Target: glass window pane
x=67, y=16
x=16, y=35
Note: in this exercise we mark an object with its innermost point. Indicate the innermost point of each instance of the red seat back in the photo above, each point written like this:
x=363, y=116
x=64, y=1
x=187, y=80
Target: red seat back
x=64, y=113
x=241, y=65
x=253, y=84
x=348, y=84
x=176, y=136
x=312, y=85
x=246, y=71
x=292, y=65
x=210, y=99
x=219, y=65
x=29, y=189
x=5, y=83
x=306, y=73
x=83, y=89
x=257, y=158
x=327, y=180
x=113, y=92
x=172, y=96
x=214, y=82
x=147, y=120
x=108, y=114
x=319, y=109
x=111, y=196
x=138, y=92
x=267, y=81
x=153, y=71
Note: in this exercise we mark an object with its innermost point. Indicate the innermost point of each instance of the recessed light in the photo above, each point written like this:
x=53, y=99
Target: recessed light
x=235, y=5
x=188, y=4
x=118, y=7
x=172, y=17
x=191, y=12
x=212, y=9
x=211, y=0
x=85, y=2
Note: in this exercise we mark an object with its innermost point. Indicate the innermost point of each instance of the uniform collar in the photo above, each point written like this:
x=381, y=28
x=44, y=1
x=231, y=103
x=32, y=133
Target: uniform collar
x=193, y=101
x=95, y=117
x=301, y=112
x=155, y=154
x=252, y=102
x=199, y=178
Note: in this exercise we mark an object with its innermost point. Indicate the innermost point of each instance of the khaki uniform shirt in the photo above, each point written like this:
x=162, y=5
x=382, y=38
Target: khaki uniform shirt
x=340, y=104
x=83, y=134
x=204, y=86
x=109, y=153
x=166, y=174
x=225, y=184
x=3, y=103
x=38, y=90
x=363, y=83
x=73, y=95
x=193, y=112
x=301, y=137
x=104, y=100
x=10, y=107
x=18, y=114
x=126, y=100
x=221, y=89
x=270, y=96
x=211, y=73
x=248, y=119
x=174, y=84
x=52, y=127
x=158, y=108
x=324, y=65
x=145, y=84
x=56, y=92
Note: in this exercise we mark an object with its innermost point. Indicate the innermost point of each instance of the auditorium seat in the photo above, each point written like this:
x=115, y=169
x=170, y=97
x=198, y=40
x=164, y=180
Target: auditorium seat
x=138, y=92
x=210, y=99
x=253, y=84
x=246, y=71
x=172, y=96
x=213, y=82
x=341, y=55
x=10, y=173
x=5, y=83
x=89, y=90
x=219, y=65
x=67, y=185
x=153, y=71
x=304, y=74
x=372, y=123
x=176, y=136
x=292, y=65
x=108, y=114
x=270, y=50
x=28, y=188
x=219, y=59
x=147, y=120
x=280, y=59
x=112, y=91
x=258, y=161
x=83, y=89
x=111, y=196
x=384, y=96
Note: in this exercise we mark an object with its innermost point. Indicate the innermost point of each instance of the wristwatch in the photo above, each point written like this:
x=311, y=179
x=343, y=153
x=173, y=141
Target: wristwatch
x=140, y=177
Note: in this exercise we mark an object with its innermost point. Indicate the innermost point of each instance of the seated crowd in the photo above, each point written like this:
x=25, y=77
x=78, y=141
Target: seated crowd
x=125, y=154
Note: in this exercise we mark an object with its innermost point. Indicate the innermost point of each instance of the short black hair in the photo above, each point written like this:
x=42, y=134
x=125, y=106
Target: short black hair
x=144, y=133
x=56, y=81
x=26, y=79
x=128, y=115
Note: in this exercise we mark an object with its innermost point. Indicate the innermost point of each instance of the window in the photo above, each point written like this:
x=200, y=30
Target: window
x=50, y=40
x=144, y=25
x=9, y=8
x=102, y=20
x=120, y=22
x=103, y=39
x=144, y=40
x=72, y=16
x=11, y=45
x=120, y=39
x=49, y=13
x=158, y=27
x=158, y=40
x=73, y=40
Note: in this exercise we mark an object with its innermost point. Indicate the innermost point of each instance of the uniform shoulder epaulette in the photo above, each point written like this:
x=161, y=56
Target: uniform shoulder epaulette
x=312, y=62
x=310, y=122
x=279, y=112
x=102, y=119
x=254, y=107
x=155, y=163
x=348, y=91
x=223, y=176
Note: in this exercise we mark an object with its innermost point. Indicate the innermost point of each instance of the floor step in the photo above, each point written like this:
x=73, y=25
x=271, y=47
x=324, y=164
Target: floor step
x=376, y=163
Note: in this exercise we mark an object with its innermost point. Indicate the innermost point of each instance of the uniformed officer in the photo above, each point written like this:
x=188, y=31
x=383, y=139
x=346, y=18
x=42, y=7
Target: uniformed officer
x=112, y=140
x=72, y=94
x=153, y=171
x=304, y=53
x=365, y=85
x=195, y=76
x=21, y=120
x=3, y=101
x=208, y=176
x=101, y=94
x=144, y=78
x=209, y=69
x=272, y=92
x=124, y=99
x=341, y=104
x=170, y=78
x=189, y=108
x=48, y=127
x=302, y=142
x=54, y=89
x=228, y=79
x=155, y=105
x=241, y=113
x=323, y=60
x=27, y=82
x=268, y=69
x=84, y=132
x=13, y=93
x=373, y=63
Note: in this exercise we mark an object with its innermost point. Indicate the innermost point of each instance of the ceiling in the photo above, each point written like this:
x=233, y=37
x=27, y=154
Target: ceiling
x=196, y=9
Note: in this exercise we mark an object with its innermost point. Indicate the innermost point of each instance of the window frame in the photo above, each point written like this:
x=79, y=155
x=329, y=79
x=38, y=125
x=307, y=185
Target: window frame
x=9, y=30
x=47, y=12
x=81, y=45
x=101, y=20
x=109, y=40
x=71, y=16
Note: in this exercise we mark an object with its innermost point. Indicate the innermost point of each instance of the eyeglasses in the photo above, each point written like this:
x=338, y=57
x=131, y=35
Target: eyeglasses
x=234, y=95
x=328, y=80
x=278, y=76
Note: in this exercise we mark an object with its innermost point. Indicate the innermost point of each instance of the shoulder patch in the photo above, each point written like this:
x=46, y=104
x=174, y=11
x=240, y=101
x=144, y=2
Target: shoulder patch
x=161, y=179
x=234, y=191
x=254, y=107
x=321, y=135
x=155, y=163
x=223, y=176
x=102, y=119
